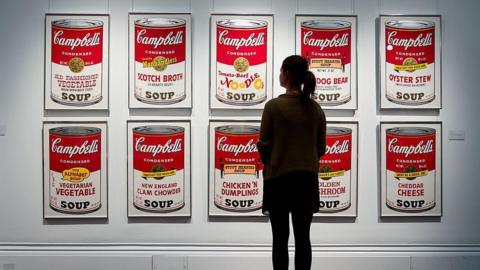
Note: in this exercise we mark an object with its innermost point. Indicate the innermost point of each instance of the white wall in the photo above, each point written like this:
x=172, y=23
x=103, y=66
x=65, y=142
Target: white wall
x=21, y=111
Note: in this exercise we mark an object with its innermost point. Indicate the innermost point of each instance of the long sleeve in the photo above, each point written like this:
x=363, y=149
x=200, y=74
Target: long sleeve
x=265, y=142
x=322, y=135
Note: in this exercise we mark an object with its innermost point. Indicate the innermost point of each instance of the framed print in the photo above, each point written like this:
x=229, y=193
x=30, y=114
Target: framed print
x=330, y=45
x=158, y=168
x=338, y=175
x=160, y=60
x=411, y=168
x=410, y=52
x=76, y=62
x=241, y=61
x=235, y=169
x=75, y=170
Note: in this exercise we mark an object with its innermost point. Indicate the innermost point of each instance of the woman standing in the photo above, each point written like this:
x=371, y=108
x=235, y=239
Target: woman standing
x=292, y=140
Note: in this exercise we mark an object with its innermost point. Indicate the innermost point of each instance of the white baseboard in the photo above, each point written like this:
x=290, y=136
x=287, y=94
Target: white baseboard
x=44, y=256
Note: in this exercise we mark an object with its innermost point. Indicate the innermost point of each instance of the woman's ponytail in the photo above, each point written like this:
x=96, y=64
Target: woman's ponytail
x=308, y=85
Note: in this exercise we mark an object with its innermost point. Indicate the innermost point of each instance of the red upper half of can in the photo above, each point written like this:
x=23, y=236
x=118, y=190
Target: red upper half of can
x=166, y=150
x=167, y=42
x=68, y=152
x=410, y=150
x=250, y=43
x=338, y=155
x=236, y=149
x=403, y=43
x=326, y=43
x=85, y=43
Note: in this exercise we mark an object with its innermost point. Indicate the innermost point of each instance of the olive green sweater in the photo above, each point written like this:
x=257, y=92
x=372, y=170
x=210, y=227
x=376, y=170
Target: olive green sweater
x=292, y=135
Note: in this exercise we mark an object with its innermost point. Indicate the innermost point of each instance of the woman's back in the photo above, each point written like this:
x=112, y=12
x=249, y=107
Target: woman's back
x=294, y=131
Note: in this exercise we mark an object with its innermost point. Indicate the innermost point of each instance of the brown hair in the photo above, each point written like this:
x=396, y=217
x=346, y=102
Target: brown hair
x=296, y=68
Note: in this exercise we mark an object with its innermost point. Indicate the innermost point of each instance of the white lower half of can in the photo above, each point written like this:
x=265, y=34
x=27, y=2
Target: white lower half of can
x=398, y=189
x=238, y=192
x=246, y=88
x=337, y=196
x=333, y=85
x=159, y=195
x=410, y=88
x=76, y=89
x=160, y=87
x=75, y=197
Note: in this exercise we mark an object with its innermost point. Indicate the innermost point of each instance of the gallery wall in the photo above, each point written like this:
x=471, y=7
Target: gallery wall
x=22, y=113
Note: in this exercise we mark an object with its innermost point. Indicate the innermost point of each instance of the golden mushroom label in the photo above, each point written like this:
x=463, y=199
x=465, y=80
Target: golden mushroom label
x=158, y=162
x=410, y=61
x=410, y=175
x=335, y=171
x=76, y=61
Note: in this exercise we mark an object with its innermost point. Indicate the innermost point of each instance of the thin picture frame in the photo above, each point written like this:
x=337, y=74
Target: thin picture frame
x=411, y=169
x=71, y=188
x=339, y=189
x=406, y=73
x=69, y=70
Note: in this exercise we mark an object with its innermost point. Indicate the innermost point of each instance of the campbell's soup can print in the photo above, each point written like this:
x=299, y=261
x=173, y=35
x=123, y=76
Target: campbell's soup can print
x=410, y=61
x=327, y=45
x=241, y=61
x=77, y=54
x=410, y=171
x=75, y=169
x=335, y=171
x=158, y=168
x=160, y=51
x=238, y=169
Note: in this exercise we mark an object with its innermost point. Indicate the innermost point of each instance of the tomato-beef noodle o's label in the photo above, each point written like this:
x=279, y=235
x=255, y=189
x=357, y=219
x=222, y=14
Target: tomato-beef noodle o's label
x=75, y=169
x=238, y=168
x=76, y=61
x=160, y=50
x=327, y=45
x=410, y=175
x=335, y=171
x=410, y=61
x=159, y=168
x=241, y=61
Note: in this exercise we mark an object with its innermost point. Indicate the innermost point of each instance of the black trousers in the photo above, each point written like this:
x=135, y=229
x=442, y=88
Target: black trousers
x=301, y=220
x=294, y=193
